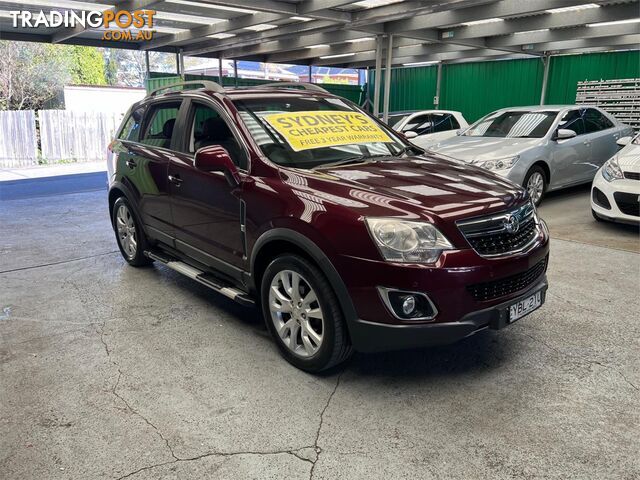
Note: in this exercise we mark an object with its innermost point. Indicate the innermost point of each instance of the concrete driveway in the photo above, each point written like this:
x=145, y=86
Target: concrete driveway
x=107, y=371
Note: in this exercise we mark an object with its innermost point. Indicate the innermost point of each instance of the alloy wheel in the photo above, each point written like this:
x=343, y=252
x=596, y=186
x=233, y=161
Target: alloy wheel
x=535, y=187
x=126, y=231
x=296, y=313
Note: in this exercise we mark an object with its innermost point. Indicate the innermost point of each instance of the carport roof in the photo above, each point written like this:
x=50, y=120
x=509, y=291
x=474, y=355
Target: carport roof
x=343, y=32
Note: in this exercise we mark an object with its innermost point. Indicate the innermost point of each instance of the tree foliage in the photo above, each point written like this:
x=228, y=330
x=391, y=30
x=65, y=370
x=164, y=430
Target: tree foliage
x=87, y=65
x=31, y=74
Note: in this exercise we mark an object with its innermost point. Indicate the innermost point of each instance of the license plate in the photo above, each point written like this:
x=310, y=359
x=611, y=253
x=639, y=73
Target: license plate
x=524, y=306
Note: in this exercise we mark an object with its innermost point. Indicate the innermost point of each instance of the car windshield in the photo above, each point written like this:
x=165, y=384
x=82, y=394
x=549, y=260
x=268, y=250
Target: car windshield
x=513, y=124
x=311, y=132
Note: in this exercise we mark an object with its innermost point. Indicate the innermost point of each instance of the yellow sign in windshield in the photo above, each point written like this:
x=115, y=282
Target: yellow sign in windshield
x=317, y=129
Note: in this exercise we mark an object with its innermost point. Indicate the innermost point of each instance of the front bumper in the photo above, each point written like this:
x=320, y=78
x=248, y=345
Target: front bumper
x=457, y=286
x=375, y=337
x=609, y=189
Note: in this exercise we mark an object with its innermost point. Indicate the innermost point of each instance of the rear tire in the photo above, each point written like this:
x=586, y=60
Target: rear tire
x=303, y=314
x=535, y=182
x=130, y=236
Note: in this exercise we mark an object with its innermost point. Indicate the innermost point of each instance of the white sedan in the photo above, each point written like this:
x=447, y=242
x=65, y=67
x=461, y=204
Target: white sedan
x=615, y=193
x=428, y=127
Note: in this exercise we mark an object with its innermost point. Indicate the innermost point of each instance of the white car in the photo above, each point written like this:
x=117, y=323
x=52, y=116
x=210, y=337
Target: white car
x=615, y=193
x=428, y=127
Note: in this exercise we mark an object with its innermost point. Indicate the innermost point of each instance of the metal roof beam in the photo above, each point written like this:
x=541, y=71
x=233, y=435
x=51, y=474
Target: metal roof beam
x=67, y=33
x=203, y=31
x=286, y=31
x=351, y=47
x=606, y=13
x=505, y=8
x=434, y=57
x=563, y=35
x=285, y=8
x=621, y=40
x=297, y=43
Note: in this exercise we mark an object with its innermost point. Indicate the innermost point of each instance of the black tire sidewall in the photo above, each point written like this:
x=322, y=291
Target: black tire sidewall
x=545, y=185
x=328, y=303
x=139, y=259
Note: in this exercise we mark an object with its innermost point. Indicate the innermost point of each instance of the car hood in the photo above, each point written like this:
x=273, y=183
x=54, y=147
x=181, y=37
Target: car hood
x=408, y=187
x=629, y=158
x=477, y=149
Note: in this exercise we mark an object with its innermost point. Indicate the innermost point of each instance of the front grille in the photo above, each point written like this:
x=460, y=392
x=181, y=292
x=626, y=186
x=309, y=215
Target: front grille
x=628, y=203
x=600, y=198
x=491, y=236
x=506, y=286
x=632, y=175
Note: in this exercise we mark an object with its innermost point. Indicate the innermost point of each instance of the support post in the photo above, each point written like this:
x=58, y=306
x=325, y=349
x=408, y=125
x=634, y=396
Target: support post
x=378, y=77
x=310, y=74
x=387, y=79
x=181, y=63
x=147, y=63
x=436, y=100
x=220, y=69
x=545, y=77
x=235, y=72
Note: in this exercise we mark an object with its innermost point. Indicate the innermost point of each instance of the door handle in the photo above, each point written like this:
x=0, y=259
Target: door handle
x=587, y=142
x=131, y=163
x=175, y=179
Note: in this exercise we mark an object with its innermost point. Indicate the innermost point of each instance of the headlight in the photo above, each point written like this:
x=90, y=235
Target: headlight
x=407, y=242
x=611, y=170
x=499, y=163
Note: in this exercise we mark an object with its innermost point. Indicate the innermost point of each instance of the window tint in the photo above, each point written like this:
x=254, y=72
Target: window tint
x=131, y=128
x=443, y=122
x=594, y=121
x=209, y=128
x=159, y=124
x=573, y=121
x=420, y=124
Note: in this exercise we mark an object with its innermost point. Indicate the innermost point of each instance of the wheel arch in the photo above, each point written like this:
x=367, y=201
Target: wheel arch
x=545, y=168
x=283, y=240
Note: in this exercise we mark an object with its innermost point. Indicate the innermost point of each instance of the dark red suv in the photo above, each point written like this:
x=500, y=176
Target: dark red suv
x=345, y=234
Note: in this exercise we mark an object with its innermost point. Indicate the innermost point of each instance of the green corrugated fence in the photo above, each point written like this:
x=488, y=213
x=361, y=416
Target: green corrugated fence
x=477, y=88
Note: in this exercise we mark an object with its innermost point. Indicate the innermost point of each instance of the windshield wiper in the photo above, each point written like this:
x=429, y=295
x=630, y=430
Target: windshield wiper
x=348, y=161
x=406, y=149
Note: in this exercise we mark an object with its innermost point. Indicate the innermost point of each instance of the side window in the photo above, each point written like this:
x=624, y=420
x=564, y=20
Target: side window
x=131, y=128
x=420, y=124
x=455, y=125
x=209, y=128
x=159, y=124
x=595, y=121
x=442, y=122
x=573, y=121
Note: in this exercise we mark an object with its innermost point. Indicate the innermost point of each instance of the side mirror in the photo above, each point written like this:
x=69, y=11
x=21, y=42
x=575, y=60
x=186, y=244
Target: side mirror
x=459, y=131
x=410, y=134
x=564, y=133
x=624, y=141
x=215, y=158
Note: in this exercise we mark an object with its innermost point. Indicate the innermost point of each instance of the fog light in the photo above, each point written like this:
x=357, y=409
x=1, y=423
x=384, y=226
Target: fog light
x=409, y=305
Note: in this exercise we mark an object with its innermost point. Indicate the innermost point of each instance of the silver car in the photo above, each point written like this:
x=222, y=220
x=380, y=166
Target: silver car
x=542, y=148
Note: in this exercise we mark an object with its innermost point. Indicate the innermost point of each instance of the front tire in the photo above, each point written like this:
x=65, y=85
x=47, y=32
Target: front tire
x=303, y=314
x=129, y=234
x=535, y=182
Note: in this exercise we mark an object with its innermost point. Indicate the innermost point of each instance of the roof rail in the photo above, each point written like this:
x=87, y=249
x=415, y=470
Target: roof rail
x=303, y=85
x=207, y=84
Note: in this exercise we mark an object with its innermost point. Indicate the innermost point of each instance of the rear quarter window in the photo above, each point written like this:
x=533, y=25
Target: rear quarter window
x=131, y=128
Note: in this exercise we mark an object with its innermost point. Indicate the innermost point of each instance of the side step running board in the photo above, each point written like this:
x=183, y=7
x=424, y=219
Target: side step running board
x=199, y=276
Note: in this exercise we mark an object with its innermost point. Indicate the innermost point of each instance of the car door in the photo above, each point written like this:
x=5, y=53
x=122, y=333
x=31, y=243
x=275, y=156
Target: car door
x=570, y=155
x=145, y=162
x=206, y=209
x=603, y=136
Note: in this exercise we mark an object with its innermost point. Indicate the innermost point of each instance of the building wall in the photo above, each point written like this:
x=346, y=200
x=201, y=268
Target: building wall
x=101, y=99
